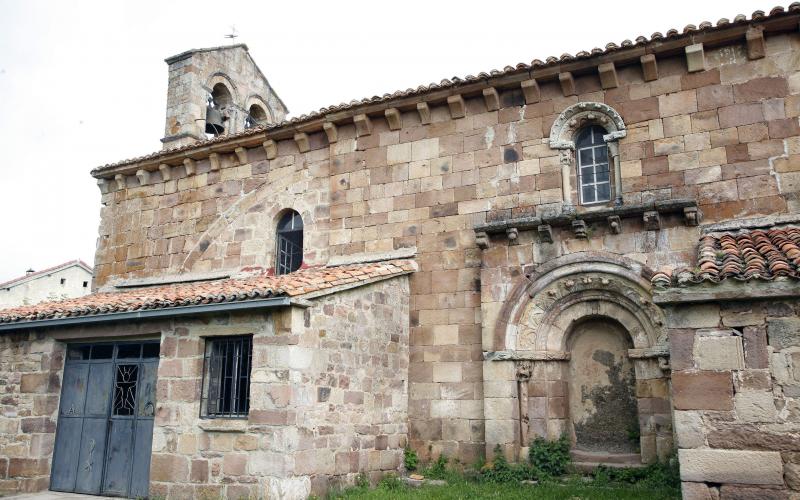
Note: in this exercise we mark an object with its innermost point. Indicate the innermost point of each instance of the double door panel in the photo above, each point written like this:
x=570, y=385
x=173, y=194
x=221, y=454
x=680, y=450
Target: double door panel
x=105, y=425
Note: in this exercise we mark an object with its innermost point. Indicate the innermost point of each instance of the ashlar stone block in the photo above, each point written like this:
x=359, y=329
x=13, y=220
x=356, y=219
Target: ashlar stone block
x=731, y=466
x=718, y=352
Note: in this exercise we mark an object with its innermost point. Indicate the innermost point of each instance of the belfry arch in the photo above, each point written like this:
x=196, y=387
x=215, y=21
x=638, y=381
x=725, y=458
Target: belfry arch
x=578, y=348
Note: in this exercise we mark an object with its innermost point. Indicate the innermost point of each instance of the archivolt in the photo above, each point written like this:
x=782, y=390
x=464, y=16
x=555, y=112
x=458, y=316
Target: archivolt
x=544, y=306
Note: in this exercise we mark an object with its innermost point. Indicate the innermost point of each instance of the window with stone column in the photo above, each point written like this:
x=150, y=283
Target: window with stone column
x=587, y=135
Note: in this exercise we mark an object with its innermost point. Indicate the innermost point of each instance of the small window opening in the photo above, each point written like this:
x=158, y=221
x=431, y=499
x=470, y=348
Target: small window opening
x=290, y=243
x=256, y=116
x=226, y=372
x=63, y=281
x=594, y=181
x=85, y=284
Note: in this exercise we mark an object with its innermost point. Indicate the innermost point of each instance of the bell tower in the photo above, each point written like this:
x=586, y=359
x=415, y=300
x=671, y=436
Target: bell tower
x=217, y=91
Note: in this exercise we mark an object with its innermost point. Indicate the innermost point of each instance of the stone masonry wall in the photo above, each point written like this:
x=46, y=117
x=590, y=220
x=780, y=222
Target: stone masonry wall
x=736, y=398
x=726, y=136
x=30, y=385
x=328, y=400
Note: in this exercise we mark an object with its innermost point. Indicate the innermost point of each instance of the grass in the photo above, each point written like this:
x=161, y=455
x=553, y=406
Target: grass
x=459, y=488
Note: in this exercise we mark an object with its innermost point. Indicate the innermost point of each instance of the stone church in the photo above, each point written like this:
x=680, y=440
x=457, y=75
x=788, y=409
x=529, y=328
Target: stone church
x=603, y=245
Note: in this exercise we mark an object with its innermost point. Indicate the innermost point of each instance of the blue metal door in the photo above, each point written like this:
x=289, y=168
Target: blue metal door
x=105, y=423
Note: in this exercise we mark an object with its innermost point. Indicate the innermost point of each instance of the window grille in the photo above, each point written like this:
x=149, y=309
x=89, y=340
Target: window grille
x=289, y=243
x=226, y=377
x=594, y=182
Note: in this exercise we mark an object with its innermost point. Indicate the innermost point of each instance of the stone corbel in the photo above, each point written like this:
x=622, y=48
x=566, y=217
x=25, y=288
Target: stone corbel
x=213, y=160
x=271, y=148
x=363, y=125
x=567, y=83
x=241, y=155
x=695, y=58
x=492, y=99
x=530, y=89
x=166, y=171
x=301, y=138
x=424, y=113
x=393, y=118
x=579, y=227
x=649, y=67
x=482, y=240
x=120, y=180
x=545, y=233
x=190, y=166
x=143, y=176
x=457, y=107
x=652, y=221
x=692, y=216
x=756, y=48
x=512, y=233
x=615, y=224
x=331, y=131
x=608, y=75
x=104, y=185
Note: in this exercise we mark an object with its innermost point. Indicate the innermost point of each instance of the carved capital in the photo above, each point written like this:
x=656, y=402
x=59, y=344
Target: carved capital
x=579, y=227
x=652, y=220
x=615, y=224
x=545, y=233
x=482, y=240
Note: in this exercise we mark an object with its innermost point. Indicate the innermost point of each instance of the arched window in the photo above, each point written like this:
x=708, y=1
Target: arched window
x=594, y=178
x=256, y=116
x=289, y=243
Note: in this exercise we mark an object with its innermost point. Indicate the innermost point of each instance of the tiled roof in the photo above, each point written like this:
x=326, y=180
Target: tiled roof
x=688, y=30
x=261, y=286
x=763, y=254
x=76, y=262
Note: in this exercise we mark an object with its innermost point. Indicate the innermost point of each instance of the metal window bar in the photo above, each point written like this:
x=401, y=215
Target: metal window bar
x=290, y=254
x=594, y=180
x=226, y=374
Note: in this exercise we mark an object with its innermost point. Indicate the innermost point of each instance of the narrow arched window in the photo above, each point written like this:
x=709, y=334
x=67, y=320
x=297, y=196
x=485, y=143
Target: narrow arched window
x=594, y=181
x=289, y=243
x=256, y=116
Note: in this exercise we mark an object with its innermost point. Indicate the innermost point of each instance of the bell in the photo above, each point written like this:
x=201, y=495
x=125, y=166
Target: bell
x=214, y=121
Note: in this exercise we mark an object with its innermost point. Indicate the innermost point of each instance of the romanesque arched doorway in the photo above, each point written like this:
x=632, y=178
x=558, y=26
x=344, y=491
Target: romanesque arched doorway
x=579, y=349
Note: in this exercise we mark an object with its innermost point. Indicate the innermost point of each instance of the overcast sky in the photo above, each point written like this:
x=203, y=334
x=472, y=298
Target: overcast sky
x=84, y=83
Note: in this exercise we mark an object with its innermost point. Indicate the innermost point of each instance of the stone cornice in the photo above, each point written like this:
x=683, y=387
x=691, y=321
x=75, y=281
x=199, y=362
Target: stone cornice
x=524, y=77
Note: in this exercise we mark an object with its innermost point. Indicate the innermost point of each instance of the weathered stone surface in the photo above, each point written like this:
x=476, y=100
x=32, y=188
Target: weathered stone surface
x=783, y=332
x=751, y=437
x=718, y=352
x=702, y=390
x=731, y=466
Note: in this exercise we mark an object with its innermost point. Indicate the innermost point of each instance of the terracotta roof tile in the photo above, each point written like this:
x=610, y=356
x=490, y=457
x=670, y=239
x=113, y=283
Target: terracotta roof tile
x=765, y=254
x=297, y=284
x=688, y=30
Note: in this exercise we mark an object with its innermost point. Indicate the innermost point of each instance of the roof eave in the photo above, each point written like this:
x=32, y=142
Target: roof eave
x=671, y=44
x=172, y=312
x=727, y=290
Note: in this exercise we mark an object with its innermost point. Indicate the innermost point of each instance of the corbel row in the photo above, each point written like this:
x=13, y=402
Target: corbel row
x=694, y=54
x=651, y=218
x=144, y=176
